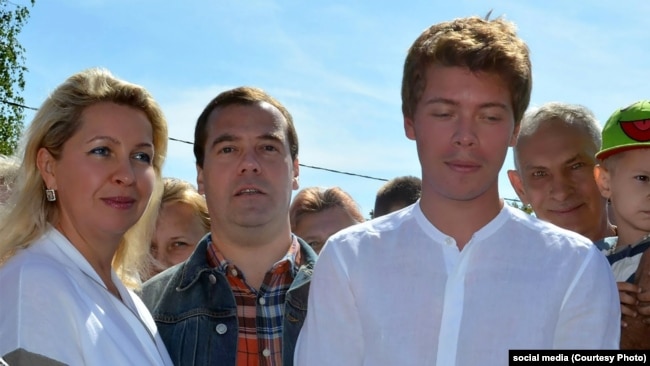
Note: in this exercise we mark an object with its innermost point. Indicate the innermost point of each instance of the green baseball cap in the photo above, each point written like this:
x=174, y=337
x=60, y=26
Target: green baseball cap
x=628, y=128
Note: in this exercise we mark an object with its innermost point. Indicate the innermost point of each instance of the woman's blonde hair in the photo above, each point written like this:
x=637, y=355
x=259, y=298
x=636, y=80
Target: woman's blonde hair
x=178, y=190
x=8, y=169
x=28, y=212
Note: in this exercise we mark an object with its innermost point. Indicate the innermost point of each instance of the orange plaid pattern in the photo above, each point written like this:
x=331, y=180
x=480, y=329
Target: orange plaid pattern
x=260, y=313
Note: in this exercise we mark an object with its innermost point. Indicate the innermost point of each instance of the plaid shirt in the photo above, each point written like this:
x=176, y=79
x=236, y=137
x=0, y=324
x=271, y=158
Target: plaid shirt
x=260, y=313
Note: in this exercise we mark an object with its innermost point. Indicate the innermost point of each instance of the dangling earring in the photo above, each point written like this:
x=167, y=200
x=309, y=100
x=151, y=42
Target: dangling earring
x=50, y=194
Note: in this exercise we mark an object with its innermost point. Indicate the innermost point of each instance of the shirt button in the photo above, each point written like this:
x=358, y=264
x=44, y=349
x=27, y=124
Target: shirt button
x=212, y=279
x=266, y=352
x=262, y=301
x=449, y=241
x=233, y=272
x=221, y=328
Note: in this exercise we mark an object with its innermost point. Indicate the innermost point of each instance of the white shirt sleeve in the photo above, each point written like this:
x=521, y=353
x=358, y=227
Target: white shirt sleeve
x=590, y=315
x=332, y=333
x=37, y=315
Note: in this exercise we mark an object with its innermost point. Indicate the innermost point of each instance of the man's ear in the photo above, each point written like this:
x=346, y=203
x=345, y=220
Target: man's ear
x=409, y=128
x=295, y=184
x=518, y=186
x=602, y=177
x=46, y=165
x=199, y=180
x=513, y=138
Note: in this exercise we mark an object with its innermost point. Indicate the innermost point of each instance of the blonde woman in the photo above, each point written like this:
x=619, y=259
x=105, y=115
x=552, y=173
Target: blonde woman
x=182, y=221
x=74, y=235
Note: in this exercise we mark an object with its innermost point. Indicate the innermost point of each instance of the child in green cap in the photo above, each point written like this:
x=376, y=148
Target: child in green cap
x=623, y=177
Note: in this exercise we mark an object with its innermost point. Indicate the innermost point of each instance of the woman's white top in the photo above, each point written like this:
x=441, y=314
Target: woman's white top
x=54, y=304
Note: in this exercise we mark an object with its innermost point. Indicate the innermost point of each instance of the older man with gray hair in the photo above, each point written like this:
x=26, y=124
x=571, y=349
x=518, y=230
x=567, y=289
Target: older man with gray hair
x=554, y=161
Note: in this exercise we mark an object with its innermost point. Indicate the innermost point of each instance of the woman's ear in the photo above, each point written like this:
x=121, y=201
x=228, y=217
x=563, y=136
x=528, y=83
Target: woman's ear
x=46, y=165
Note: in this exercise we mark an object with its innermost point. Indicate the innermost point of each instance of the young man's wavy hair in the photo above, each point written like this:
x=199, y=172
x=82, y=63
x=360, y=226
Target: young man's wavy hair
x=481, y=45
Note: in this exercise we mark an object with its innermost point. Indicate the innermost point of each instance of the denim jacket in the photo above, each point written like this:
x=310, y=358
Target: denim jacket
x=196, y=314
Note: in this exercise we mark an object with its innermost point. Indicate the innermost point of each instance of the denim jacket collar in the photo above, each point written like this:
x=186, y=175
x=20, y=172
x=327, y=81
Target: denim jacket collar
x=198, y=263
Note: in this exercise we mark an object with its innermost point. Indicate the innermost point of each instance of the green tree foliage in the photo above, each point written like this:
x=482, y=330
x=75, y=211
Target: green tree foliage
x=517, y=204
x=12, y=68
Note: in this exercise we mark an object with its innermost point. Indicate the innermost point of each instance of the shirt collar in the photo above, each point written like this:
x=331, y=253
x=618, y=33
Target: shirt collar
x=293, y=257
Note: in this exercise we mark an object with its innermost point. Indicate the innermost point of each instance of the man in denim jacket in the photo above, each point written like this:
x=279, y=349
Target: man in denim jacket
x=241, y=297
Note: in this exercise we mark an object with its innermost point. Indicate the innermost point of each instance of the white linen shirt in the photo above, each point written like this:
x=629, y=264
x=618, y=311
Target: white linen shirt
x=53, y=303
x=397, y=291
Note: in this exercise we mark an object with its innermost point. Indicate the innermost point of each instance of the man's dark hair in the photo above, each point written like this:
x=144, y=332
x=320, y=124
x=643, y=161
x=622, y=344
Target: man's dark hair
x=244, y=95
x=397, y=193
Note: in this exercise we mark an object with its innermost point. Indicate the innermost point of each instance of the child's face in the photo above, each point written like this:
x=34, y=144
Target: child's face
x=627, y=183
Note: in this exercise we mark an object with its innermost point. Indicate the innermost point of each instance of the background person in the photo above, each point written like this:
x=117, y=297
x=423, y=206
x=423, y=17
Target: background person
x=396, y=194
x=623, y=177
x=182, y=221
x=554, y=162
x=76, y=227
x=317, y=213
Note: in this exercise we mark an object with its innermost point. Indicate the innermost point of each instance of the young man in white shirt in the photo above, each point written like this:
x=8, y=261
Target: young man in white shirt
x=459, y=278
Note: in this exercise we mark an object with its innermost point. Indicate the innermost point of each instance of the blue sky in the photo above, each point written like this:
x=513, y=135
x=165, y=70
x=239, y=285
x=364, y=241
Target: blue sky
x=336, y=65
